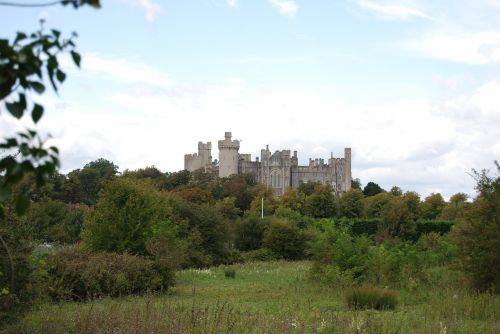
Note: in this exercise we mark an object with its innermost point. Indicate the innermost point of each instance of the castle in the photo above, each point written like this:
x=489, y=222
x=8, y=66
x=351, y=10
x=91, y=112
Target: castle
x=279, y=170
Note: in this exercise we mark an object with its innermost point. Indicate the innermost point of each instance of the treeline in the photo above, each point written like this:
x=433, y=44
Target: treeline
x=96, y=232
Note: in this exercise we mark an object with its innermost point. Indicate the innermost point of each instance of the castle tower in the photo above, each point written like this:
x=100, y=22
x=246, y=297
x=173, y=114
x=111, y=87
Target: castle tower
x=228, y=156
x=205, y=153
x=200, y=160
x=347, y=169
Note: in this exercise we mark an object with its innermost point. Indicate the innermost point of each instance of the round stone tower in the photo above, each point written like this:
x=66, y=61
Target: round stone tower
x=228, y=156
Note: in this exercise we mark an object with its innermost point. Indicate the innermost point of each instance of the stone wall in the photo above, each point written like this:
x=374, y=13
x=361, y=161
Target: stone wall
x=278, y=170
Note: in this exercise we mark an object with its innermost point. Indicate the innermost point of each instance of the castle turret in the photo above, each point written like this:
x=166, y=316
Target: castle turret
x=228, y=156
x=200, y=160
x=347, y=169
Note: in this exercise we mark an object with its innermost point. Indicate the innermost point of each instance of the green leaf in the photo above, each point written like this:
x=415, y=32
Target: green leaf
x=37, y=113
x=76, y=58
x=60, y=75
x=56, y=33
x=20, y=36
x=21, y=204
x=5, y=193
x=16, y=109
x=37, y=86
x=52, y=63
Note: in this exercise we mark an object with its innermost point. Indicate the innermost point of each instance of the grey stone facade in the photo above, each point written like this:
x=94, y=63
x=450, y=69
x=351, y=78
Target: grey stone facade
x=279, y=170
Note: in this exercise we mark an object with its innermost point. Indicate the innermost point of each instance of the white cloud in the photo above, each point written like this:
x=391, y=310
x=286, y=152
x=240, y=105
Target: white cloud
x=465, y=47
x=285, y=7
x=122, y=70
x=392, y=11
x=418, y=144
x=151, y=8
x=232, y=3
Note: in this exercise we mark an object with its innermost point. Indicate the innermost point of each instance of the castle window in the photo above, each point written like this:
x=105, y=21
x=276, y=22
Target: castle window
x=275, y=179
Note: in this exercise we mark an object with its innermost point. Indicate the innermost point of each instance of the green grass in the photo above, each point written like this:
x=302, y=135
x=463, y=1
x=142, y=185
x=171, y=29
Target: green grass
x=266, y=297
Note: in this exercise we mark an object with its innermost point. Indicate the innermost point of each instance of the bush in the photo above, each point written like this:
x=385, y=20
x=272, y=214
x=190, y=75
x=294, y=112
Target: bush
x=285, y=240
x=262, y=254
x=76, y=274
x=249, y=232
x=371, y=298
x=479, y=236
x=433, y=226
x=126, y=211
x=230, y=273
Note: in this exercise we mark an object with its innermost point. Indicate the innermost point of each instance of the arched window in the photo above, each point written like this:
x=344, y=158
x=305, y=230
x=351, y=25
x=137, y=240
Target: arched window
x=275, y=179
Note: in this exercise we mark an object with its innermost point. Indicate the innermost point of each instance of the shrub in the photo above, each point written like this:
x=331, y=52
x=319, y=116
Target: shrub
x=433, y=226
x=230, y=273
x=285, y=240
x=249, y=232
x=371, y=297
x=126, y=211
x=262, y=254
x=76, y=274
x=479, y=236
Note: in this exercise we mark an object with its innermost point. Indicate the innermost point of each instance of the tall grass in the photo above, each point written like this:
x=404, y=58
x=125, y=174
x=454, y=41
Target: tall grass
x=366, y=297
x=266, y=297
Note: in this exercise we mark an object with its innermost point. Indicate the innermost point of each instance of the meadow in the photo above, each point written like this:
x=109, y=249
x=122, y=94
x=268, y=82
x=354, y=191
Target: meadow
x=270, y=297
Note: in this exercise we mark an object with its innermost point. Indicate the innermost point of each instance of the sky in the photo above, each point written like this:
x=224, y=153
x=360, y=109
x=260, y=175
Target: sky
x=411, y=86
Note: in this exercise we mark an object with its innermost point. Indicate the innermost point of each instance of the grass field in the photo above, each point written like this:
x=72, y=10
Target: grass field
x=266, y=297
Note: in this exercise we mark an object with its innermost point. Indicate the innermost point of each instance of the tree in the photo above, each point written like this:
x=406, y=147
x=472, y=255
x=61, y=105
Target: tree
x=55, y=221
x=25, y=62
x=178, y=179
x=398, y=219
x=239, y=187
x=351, y=204
x=126, y=212
x=372, y=189
x=152, y=173
x=284, y=239
x=456, y=208
x=396, y=191
x=376, y=205
x=356, y=184
x=292, y=199
x=250, y=232
x=84, y=185
x=321, y=203
x=432, y=206
x=479, y=236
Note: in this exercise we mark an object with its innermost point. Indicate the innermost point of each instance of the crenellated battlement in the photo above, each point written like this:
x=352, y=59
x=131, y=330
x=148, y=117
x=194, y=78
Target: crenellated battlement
x=279, y=170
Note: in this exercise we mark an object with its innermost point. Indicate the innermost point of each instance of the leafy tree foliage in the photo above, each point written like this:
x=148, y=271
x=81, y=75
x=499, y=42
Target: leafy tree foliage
x=479, y=236
x=250, y=232
x=56, y=221
x=307, y=188
x=456, y=208
x=125, y=212
x=396, y=191
x=413, y=205
x=292, y=199
x=321, y=203
x=25, y=62
x=177, y=179
x=152, y=173
x=432, y=206
x=84, y=185
x=351, y=204
x=204, y=228
x=377, y=204
x=239, y=187
x=372, y=189
x=284, y=239
x=356, y=184
x=194, y=195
